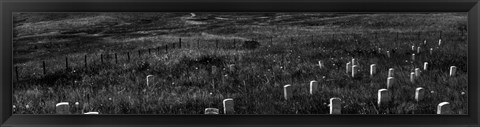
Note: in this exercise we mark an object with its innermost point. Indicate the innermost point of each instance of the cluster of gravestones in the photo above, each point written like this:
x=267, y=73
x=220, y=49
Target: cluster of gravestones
x=384, y=95
x=63, y=108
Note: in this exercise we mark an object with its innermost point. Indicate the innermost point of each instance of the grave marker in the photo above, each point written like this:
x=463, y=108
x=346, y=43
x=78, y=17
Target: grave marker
x=228, y=106
x=335, y=106
x=417, y=72
x=354, y=70
x=320, y=64
x=313, y=86
x=373, y=69
x=413, y=57
x=287, y=91
x=383, y=97
x=391, y=72
x=388, y=54
x=390, y=82
x=419, y=94
x=431, y=51
x=418, y=50
x=62, y=108
x=412, y=77
x=444, y=108
x=91, y=113
x=211, y=111
x=348, y=67
x=453, y=71
x=150, y=79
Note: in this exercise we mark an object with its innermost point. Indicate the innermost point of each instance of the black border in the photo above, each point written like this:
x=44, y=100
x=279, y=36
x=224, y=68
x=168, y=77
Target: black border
x=9, y=6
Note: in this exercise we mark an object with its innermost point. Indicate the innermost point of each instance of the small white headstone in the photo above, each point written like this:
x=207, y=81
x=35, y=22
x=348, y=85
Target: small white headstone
x=354, y=70
x=373, y=69
x=349, y=67
x=425, y=42
x=287, y=91
x=439, y=42
x=444, y=108
x=228, y=106
x=453, y=70
x=413, y=48
x=419, y=94
x=150, y=80
x=91, y=113
x=383, y=97
x=390, y=82
x=335, y=106
x=354, y=61
x=391, y=72
x=431, y=51
x=413, y=57
x=313, y=86
x=320, y=64
x=425, y=65
x=388, y=54
x=418, y=50
x=211, y=111
x=417, y=72
x=63, y=108
x=412, y=77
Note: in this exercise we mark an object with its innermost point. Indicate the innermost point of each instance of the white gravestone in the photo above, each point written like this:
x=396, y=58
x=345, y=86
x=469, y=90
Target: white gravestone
x=444, y=108
x=335, y=106
x=287, y=91
x=419, y=94
x=63, y=108
x=383, y=97
x=373, y=69
x=453, y=70
x=390, y=82
x=228, y=106
x=313, y=86
x=211, y=111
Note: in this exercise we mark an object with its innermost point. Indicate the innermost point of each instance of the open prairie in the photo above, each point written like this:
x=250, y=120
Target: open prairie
x=196, y=60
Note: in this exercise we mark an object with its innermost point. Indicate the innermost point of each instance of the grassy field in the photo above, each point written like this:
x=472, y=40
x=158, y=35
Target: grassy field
x=291, y=44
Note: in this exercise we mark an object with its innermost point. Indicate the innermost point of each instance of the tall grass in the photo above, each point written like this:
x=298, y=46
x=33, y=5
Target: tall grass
x=185, y=84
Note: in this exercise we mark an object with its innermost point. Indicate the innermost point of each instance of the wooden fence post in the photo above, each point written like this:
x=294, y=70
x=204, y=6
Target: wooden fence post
x=128, y=56
x=179, y=42
x=85, y=62
x=66, y=63
x=116, y=59
x=16, y=73
x=44, y=69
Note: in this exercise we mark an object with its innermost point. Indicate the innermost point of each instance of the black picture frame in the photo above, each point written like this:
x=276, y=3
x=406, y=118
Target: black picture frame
x=367, y=6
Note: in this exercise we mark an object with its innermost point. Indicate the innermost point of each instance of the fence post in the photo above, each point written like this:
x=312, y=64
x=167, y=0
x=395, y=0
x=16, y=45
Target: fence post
x=66, y=63
x=85, y=62
x=128, y=56
x=44, y=69
x=16, y=73
x=179, y=42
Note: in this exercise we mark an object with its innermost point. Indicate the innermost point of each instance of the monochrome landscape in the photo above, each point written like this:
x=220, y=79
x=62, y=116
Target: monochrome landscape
x=239, y=63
